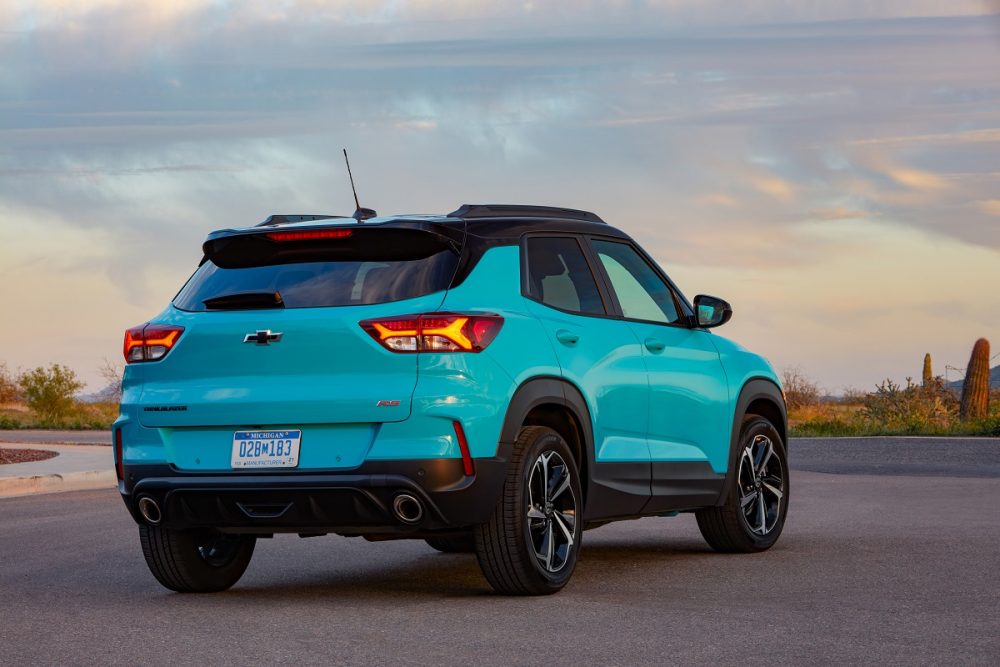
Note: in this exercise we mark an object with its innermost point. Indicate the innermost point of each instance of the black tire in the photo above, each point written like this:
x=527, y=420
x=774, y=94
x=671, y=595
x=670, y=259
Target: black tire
x=509, y=546
x=454, y=544
x=756, y=504
x=195, y=561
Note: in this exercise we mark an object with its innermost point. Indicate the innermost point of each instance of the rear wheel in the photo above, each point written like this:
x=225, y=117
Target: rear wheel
x=757, y=498
x=530, y=544
x=203, y=561
x=454, y=544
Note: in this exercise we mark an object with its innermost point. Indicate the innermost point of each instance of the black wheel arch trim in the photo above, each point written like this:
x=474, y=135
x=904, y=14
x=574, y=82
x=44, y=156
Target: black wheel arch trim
x=539, y=391
x=755, y=389
x=550, y=389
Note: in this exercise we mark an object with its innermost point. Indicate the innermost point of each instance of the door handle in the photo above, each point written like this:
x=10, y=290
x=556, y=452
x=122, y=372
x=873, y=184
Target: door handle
x=567, y=337
x=654, y=345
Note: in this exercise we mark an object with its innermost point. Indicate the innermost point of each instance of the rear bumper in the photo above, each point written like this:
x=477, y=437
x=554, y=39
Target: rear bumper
x=354, y=502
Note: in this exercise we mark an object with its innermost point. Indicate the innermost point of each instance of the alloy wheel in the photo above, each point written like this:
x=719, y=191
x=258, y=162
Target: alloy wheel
x=761, y=484
x=552, y=511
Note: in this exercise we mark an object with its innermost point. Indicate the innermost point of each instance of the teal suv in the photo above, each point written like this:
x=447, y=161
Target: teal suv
x=493, y=381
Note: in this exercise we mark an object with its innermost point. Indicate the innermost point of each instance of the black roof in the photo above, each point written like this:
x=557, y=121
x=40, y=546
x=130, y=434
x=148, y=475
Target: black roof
x=481, y=211
x=508, y=222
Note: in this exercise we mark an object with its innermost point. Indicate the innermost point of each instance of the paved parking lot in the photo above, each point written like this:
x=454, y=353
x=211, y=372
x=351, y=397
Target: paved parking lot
x=890, y=569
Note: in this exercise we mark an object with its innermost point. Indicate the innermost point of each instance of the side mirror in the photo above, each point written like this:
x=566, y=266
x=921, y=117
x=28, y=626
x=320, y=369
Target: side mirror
x=711, y=311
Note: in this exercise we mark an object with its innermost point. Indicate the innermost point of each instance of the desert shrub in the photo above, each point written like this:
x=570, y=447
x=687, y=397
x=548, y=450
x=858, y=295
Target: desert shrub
x=800, y=391
x=989, y=426
x=49, y=392
x=10, y=391
x=914, y=408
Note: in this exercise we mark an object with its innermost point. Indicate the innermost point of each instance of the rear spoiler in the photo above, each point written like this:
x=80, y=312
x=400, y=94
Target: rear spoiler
x=265, y=246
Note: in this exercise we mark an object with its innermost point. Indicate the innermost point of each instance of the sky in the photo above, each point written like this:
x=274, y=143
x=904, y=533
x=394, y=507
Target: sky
x=831, y=169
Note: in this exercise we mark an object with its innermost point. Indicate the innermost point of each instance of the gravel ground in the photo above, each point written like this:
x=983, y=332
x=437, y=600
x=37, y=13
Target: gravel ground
x=8, y=456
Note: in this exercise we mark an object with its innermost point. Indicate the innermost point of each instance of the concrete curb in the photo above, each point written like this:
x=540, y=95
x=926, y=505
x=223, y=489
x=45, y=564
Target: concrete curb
x=27, y=485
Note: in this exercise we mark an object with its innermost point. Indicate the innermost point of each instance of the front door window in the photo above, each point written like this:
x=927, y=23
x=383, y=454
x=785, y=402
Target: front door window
x=642, y=294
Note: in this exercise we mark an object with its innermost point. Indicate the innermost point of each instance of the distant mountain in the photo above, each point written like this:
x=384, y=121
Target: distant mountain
x=108, y=393
x=994, y=380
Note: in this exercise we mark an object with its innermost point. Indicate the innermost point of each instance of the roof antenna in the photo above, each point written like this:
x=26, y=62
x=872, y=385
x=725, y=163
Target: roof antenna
x=360, y=214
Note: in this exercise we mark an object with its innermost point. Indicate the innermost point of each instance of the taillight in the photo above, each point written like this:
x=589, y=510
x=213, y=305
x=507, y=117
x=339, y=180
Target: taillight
x=435, y=332
x=150, y=342
x=119, y=463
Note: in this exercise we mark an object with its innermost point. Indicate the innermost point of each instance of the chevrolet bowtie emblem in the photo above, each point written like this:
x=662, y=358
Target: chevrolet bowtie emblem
x=262, y=337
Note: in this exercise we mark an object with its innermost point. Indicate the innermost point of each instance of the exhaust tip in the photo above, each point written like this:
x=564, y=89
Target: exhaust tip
x=407, y=508
x=149, y=510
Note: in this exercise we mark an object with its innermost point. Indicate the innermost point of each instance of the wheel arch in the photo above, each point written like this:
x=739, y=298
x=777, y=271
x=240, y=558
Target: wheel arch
x=554, y=402
x=759, y=396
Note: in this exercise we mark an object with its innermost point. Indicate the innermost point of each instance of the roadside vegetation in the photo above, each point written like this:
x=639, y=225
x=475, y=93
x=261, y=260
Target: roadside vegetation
x=47, y=397
x=931, y=407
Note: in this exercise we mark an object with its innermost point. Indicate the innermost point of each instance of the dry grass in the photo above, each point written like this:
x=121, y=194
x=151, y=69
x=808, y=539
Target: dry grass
x=892, y=410
x=84, y=416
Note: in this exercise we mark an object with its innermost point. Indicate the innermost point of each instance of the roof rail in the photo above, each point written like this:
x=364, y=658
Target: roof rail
x=471, y=211
x=281, y=219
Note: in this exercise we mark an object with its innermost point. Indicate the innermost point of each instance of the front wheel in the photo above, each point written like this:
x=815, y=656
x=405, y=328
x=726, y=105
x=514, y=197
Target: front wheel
x=200, y=561
x=530, y=544
x=753, y=515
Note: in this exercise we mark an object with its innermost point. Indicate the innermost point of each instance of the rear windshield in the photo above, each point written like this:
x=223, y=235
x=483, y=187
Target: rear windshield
x=370, y=278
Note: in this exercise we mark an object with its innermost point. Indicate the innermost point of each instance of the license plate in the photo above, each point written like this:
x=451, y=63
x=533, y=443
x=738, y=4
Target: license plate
x=266, y=449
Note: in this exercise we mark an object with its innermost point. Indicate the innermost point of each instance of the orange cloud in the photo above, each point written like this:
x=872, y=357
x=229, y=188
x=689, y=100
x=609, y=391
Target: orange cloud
x=775, y=187
x=990, y=206
x=916, y=179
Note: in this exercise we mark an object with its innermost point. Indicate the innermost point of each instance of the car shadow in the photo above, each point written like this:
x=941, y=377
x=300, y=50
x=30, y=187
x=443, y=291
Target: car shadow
x=440, y=575
x=434, y=574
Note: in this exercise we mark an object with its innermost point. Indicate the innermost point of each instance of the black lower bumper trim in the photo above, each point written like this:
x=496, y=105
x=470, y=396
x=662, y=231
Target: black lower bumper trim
x=355, y=502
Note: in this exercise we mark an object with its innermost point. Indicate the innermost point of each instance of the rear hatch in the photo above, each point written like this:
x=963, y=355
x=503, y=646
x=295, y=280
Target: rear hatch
x=272, y=338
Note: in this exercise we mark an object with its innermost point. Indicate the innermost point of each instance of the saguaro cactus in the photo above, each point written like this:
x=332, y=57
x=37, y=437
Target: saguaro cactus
x=976, y=388
x=928, y=373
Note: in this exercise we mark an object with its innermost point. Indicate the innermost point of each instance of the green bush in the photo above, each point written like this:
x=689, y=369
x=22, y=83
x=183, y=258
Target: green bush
x=10, y=423
x=49, y=392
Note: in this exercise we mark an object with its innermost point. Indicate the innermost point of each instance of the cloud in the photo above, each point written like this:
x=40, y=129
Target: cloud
x=721, y=199
x=775, y=187
x=916, y=179
x=984, y=135
x=990, y=206
x=839, y=213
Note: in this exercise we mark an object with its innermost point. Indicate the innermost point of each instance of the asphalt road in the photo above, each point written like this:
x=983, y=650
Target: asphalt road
x=951, y=457
x=872, y=569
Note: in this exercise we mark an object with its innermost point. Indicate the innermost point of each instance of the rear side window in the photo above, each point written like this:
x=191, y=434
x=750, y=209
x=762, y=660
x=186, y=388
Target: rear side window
x=559, y=276
x=348, y=275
